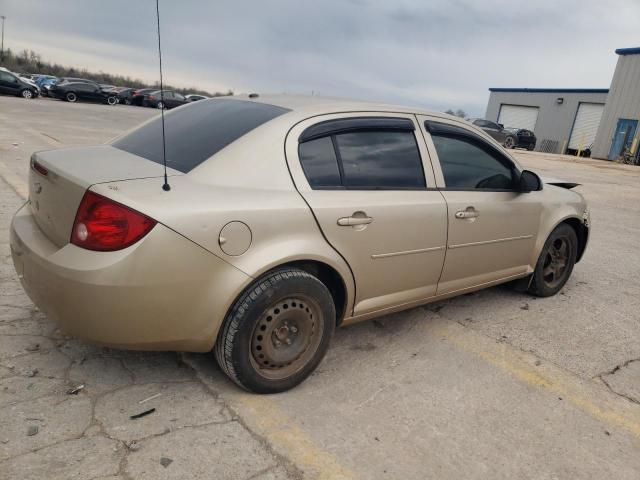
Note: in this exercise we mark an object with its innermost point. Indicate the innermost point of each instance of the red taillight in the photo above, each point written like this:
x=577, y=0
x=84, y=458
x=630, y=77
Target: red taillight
x=152, y=97
x=39, y=168
x=104, y=225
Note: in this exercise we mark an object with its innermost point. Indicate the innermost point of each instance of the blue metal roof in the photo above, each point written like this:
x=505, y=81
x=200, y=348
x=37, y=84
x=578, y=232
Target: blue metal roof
x=551, y=90
x=628, y=51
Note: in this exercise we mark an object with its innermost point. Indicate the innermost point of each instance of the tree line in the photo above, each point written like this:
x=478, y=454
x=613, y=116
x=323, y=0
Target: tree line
x=28, y=61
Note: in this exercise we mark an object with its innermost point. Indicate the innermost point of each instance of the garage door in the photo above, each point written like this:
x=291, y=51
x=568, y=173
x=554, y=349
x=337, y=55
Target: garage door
x=586, y=125
x=518, y=116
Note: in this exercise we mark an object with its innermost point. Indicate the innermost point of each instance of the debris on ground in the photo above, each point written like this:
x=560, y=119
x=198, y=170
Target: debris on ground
x=75, y=390
x=33, y=347
x=32, y=430
x=165, y=462
x=142, y=414
x=525, y=307
x=32, y=373
x=149, y=398
x=133, y=446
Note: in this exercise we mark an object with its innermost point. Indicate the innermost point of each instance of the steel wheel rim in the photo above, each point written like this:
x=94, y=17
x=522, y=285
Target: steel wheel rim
x=71, y=97
x=286, y=336
x=111, y=101
x=27, y=94
x=556, y=261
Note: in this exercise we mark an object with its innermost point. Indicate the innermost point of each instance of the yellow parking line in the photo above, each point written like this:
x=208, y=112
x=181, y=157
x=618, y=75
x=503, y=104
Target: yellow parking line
x=590, y=397
x=289, y=439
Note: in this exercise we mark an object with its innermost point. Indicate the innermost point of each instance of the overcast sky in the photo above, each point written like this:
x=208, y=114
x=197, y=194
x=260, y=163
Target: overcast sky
x=435, y=53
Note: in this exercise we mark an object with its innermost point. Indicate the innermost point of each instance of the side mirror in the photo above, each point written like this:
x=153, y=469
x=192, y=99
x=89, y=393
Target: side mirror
x=501, y=126
x=529, y=182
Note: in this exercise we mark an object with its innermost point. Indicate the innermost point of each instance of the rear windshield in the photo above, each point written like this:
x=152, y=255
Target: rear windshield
x=197, y=131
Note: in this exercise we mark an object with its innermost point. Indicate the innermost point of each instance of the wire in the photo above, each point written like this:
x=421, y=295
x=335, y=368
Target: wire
x=166, y=187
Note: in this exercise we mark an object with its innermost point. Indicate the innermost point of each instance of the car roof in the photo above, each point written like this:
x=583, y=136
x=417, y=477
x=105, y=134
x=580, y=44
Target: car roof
x=316, y=105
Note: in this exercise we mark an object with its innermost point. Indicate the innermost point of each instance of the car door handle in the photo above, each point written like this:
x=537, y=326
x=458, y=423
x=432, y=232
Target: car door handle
x=353, y=221
x=470, y=212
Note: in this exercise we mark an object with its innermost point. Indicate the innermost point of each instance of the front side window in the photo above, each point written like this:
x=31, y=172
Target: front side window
x=362, y=153
x=468, y=164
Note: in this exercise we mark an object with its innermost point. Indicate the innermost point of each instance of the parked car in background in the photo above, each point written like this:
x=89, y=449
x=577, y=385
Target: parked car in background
x=41, y=79
x=520, y=138
x=195, y=98
x=124, y=95
x=495, y=130
x=12, y=84
x=169, y=99
x=284, y=221
x=137, y=96
x=83, y=91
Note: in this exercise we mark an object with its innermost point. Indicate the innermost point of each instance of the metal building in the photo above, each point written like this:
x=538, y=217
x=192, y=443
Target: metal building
x=568, y=120
x=619, y=126
x=563, y=119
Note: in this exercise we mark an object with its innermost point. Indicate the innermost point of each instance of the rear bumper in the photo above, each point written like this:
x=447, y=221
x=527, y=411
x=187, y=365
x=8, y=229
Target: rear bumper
x=163, y=293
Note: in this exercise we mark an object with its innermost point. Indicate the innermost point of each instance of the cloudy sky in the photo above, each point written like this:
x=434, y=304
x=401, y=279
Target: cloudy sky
x=435, y=53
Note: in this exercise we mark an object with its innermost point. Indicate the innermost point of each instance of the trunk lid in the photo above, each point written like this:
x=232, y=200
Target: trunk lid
x=59, y=178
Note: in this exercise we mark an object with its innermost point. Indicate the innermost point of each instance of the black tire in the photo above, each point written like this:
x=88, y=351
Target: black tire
x=531, y=146
x=71, y=97
x=26, y=93
x=112, y=101
x=282, y=299
x=554, y=268
x=510, y=142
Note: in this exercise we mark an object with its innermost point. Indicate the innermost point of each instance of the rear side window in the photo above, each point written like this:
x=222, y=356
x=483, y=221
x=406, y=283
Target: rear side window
x=357, y=156
x=196, y=132
x=380, y=160
x=319, y=162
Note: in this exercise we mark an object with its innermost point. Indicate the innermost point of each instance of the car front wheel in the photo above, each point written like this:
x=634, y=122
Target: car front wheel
x=26, y=93
x=556, y=262
x=277, y=332
x=509, y=142
x=112, y=100
x=71, y=97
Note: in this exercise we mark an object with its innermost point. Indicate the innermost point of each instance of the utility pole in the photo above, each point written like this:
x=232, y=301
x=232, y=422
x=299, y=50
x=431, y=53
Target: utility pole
x=2, y=47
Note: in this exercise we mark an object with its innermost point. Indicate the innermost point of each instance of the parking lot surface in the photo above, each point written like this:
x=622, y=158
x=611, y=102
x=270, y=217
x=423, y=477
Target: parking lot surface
x=494, y=384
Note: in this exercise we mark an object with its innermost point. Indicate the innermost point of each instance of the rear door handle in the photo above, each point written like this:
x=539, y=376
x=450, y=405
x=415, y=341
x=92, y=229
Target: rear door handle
x=353, y=221
x=470, y=212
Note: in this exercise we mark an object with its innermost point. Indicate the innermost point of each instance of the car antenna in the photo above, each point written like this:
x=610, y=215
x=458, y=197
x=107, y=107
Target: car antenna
x=166, y=187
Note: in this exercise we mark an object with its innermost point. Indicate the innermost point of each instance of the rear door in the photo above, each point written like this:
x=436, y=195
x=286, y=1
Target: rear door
x=370, y=185
x=492, y=227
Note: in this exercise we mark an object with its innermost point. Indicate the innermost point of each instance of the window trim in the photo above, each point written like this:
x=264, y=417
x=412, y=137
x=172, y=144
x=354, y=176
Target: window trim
x=361, y=125
x=355, y=124
x=435, y=128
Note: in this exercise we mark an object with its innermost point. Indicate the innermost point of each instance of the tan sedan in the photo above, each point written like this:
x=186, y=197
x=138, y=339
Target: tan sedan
x=286, y=217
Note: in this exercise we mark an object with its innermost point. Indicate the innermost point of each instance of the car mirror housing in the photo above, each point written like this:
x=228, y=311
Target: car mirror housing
x=529, y=182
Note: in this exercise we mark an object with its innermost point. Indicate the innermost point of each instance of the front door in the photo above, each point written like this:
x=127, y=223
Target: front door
x=8, y=83
x=622, y=137
x=492, y=227
x=364, y=178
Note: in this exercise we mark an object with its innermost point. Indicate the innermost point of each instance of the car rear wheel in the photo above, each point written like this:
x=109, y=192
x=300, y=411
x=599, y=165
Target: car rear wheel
x=509, y=142
x=556, y=262
x=277, y=332
x=71, y=97
x=160, y=105
x=112, y=100
x=26, y=93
